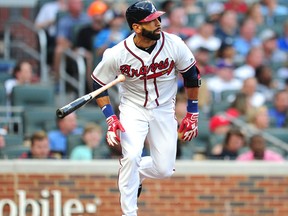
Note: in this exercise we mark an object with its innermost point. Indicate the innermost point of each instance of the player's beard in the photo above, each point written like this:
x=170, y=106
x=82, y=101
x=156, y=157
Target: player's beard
x=150, y=34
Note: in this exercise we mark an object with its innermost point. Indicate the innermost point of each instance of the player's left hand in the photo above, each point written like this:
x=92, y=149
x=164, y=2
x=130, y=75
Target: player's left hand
x=112, y=135
x=189, y=127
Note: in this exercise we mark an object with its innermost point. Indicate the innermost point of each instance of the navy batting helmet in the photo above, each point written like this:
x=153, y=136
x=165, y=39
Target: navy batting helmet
x=142, y=11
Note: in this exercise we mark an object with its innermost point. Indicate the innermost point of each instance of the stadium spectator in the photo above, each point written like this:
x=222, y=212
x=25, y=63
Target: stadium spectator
x=246, y=38
x=22, y=74
x=239, y=6
x=253, y=60
x=205, y=98
x=223, y=80
x=283, y=39
x=282, y=73
x=227, y=28
x=286, y=87
x=233, y=142
x=47, y=19
x=226, y=53
x=58, y=137
x=219, y=124
x=39, y=147
x=279, y=110
x=258, y=119
x=204, y=37
x=214, y=11
x=92, y=146
x=259, y=151
x=66, y=24
x=86, y=35
x=203, y=56
x=178, y=24
x=191, y=7
x=112, y=34
x=240, y=105
x=249, y=87
x=266, y=84
x=254, y=12
x=166, y=6
x=270, y=9
x=3, y=133
x=272, y=54
x=2, y=140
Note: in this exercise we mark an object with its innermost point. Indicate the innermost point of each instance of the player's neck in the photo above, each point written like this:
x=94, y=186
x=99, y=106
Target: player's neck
x=143, y=43
x=149, y=49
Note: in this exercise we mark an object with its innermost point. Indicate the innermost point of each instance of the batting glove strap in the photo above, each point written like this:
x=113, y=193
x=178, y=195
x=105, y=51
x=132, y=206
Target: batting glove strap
x=189, y=126
x=112, y=135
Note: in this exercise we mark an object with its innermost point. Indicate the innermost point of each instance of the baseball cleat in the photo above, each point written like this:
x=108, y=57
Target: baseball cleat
x=139, y=190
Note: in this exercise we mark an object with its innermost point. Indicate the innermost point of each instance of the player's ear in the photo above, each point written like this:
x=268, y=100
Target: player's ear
x=137, y=27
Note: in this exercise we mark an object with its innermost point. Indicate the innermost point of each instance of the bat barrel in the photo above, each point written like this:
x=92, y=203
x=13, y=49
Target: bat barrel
x=69, y=108
x=62, y=112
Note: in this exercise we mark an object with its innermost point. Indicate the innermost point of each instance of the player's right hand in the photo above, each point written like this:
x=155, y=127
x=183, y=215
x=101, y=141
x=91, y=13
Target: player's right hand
x=112, y=135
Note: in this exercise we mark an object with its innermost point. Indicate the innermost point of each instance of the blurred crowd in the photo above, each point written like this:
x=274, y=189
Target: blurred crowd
x=241, y=49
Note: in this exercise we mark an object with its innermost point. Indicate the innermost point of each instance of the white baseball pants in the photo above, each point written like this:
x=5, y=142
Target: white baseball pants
x=159, y=127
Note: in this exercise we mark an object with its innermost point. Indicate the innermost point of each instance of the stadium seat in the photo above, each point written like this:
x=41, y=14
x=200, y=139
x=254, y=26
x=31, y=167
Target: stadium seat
x=277, y=150
x=228, y=95
x=13, y=140
x=91, y=113
x=33, y=95
x=73, y=141
x=5, y=76
x=2, y=95
x=195, y=19
x=102, y=151
x=215, y=139
x=281, y=19
x=6, y=65
x=201, y=142
x=14, y=152
x=280, y=133
x=219, y=107
x=39, y=119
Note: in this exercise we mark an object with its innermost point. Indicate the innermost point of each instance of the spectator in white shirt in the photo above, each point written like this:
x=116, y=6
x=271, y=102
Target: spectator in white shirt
x=223, y=80
x=46, y=18
x=249, y=88
x=253, y=60
x=22, y=74
x=204, y=37
x=272, y=54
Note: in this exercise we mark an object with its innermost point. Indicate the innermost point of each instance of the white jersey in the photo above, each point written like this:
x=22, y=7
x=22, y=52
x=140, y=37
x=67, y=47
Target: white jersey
x=151, y=79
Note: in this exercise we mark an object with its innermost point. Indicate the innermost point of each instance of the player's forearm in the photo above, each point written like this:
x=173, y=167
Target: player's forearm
x=192, y=93
x=44, y=25
x=102, y=101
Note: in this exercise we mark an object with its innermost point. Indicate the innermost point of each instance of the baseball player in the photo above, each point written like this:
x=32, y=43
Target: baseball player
x=150, y=59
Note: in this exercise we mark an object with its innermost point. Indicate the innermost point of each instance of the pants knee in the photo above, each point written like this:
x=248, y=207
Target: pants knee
x=164, y=171
x=132, y=159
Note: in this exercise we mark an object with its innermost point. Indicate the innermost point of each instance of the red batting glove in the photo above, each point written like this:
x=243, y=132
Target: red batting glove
x=112, y=135
x=189, y=127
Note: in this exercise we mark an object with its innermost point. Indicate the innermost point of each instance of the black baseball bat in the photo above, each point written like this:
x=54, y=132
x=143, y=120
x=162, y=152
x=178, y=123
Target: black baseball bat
x=79, y=102
x=74, y=105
